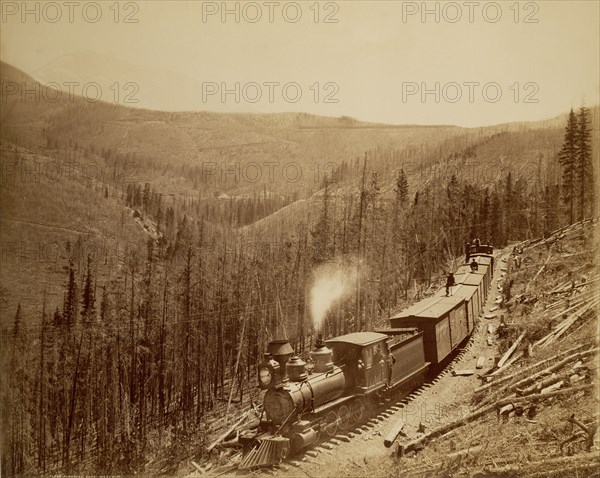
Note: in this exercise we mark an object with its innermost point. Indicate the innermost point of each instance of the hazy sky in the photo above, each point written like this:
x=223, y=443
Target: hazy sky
x=377, y=57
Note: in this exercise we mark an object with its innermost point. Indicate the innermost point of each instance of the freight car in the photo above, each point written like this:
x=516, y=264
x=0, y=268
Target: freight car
x=347, y=374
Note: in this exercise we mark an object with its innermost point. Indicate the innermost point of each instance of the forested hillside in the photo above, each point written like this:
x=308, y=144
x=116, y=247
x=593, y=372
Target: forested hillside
x=161, y=278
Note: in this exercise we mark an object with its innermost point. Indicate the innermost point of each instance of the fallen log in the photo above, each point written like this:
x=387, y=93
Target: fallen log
x=512, y=360
x=537, y=387
x=510, y=351
x=574, y=318
x=551, y=388
x=561, y=324
x=463, y=372
x=553, y=368
x=500, y=380
x=545, y=464
x=487, y=409
x=538, y=272
x=229, y=430
x=393, y=433
x=465, y=451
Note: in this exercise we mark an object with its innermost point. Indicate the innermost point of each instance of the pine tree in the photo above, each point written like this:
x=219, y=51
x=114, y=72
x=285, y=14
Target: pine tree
x=583, y=160
x=567, y=158
x=509, y=207
x=401, y=188
x=88, y=300
x=70, y=307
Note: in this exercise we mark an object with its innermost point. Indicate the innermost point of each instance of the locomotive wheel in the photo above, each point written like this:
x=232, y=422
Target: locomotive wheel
x=331, y=424
x=344, y=418
x=357, y=410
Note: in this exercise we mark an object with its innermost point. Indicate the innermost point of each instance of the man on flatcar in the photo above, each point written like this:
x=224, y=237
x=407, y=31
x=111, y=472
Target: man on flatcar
x=391, y=360
x=449, y=283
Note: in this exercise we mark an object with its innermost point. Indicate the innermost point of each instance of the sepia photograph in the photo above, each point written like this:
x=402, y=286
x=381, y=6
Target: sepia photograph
x=305, y=239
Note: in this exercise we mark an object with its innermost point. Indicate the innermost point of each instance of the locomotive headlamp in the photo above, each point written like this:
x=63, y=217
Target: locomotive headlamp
x=264, y=375
x=268, y=374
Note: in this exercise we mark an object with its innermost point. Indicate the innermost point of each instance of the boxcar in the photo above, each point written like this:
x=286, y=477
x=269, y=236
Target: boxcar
x=443, y=322
x=471, y=297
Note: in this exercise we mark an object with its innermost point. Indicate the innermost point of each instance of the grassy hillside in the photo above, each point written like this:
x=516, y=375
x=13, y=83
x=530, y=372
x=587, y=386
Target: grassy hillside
x=46, y=210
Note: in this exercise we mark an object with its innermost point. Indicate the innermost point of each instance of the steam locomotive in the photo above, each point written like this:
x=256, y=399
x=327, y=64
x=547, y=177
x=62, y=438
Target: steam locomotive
x=353, y=372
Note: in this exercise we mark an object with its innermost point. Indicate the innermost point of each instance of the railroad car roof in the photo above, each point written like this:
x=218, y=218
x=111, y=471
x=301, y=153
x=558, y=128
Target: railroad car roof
x=458, y=278
x=416, y=308
x=473, y=279
x=460, y=290
x=441, y=307
x=358, y=338
x=465, y=291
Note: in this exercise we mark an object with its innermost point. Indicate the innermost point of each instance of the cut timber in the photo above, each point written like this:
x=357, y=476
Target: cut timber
x=480, y=362
x=490, y=329
x=393, y=433
x=494, y=308
x=466, y=451
x=570, y=321
x=415, y=444
x=538, y=272
x=551, y=388
x=537, y=387
x=490, y=316
x=198, y=467
x=546, y=464
x=510, y=351
x=229, y=430
x=490, y=340
x=508, y=363
x=553, y=368
x=463, y=373
x=535, y=365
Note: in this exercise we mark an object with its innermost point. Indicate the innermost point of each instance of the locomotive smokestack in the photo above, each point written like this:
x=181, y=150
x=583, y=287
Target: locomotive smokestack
x=319, y=344
x=281, y=351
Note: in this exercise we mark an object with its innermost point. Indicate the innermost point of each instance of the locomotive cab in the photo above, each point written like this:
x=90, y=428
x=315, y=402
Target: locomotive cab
x=364, y=358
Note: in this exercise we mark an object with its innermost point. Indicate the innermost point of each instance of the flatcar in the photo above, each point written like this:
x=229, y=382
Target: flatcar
x=347, y=374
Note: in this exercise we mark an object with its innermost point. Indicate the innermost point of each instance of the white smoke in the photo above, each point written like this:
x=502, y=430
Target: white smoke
x=332, y=283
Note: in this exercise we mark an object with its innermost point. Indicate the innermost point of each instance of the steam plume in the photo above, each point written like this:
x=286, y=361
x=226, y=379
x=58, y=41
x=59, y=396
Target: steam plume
x=332, y=282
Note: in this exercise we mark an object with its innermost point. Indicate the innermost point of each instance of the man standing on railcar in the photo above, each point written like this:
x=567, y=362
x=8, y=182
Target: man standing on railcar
x=449, y=283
